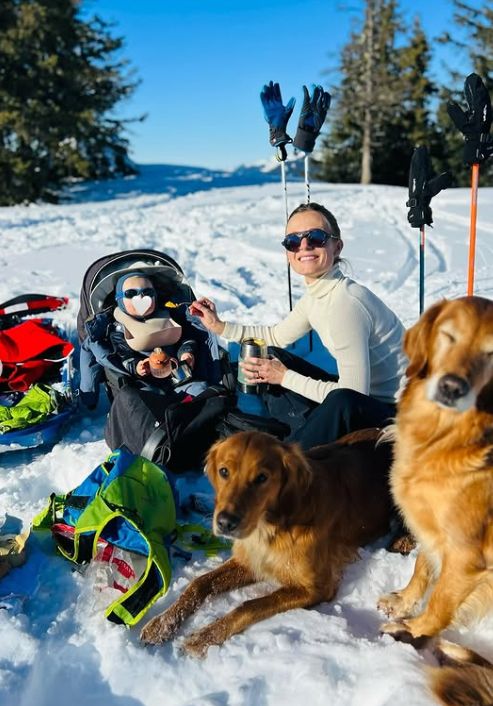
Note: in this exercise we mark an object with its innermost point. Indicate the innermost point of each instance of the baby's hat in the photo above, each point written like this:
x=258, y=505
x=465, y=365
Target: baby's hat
x=119, y=286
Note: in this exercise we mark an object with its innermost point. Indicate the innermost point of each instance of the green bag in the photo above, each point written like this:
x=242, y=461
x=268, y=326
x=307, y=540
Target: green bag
x=128, y=502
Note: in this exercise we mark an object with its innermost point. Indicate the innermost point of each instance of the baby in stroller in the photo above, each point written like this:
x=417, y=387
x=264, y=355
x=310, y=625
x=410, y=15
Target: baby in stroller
x=122, y=341
x=130, y=315
x=143, y=328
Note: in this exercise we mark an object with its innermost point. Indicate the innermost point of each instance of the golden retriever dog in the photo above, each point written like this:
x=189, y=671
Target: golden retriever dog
x=296, y=520
x=442, y=474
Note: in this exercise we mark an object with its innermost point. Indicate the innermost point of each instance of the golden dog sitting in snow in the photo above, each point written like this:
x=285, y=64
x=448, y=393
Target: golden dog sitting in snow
x=296, y=519
x=442, y=475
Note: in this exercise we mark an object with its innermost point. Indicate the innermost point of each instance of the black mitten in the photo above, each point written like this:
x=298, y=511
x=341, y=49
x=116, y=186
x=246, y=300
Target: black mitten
x=422, y=187
x=475, y=122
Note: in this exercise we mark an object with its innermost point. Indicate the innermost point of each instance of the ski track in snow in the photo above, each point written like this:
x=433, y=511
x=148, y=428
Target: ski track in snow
x=228, y=243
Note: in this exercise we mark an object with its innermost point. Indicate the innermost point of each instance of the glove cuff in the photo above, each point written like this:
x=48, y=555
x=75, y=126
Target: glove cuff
x=477, y=149
x=278, y=136
x=419, y=215
x=305, y=140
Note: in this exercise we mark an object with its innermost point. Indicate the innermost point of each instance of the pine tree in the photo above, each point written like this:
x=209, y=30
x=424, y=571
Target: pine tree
x=59, y=82
x=381, y=108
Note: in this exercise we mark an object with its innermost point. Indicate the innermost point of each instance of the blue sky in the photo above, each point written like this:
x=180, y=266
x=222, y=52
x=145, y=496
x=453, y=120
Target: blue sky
x=202, y=64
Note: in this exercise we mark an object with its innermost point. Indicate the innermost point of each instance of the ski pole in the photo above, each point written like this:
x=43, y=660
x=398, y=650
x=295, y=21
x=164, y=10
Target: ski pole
x=307, y=178
x=286, y=213
x=307, y=187
x=472, y=227
x=421, y=269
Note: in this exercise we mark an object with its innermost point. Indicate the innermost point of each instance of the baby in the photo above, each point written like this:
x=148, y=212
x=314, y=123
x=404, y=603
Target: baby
x=146, y=328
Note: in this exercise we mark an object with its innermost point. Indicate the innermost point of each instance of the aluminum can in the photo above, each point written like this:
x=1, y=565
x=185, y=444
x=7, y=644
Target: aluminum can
x=250, y=348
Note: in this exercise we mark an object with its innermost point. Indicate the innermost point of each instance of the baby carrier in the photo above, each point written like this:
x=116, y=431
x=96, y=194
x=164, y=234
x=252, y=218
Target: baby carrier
x=174, y=429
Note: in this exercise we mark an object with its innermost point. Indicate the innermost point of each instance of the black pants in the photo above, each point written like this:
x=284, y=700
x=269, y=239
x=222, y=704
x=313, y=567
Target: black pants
x=341, y=412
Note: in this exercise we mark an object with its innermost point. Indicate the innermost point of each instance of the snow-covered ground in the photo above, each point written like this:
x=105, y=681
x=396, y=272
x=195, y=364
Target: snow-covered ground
x=55, y=643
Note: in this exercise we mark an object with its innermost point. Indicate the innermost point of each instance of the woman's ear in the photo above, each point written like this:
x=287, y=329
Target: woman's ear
x=417, y=340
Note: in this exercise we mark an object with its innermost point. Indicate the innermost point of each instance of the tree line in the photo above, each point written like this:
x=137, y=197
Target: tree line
x=60, y=78
x=63, y=76
x=386, y=101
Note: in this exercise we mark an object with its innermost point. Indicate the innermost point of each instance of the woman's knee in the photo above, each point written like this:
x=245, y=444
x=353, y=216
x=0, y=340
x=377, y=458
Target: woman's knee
x=343, y=398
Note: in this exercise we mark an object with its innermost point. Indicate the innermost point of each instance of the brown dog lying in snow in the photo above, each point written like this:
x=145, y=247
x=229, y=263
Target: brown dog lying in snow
x=296, y=520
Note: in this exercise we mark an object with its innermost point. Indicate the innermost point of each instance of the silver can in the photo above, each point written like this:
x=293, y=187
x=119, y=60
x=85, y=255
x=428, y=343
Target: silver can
x=250, y=348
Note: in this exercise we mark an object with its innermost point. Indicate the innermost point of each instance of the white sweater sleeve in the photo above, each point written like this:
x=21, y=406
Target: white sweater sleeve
x=281, y=335
x=350, y=328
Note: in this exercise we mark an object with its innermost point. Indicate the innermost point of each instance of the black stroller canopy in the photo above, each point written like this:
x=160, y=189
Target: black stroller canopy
x=101, y=278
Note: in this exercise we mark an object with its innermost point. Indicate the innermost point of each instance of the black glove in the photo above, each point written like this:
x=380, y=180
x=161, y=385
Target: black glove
x=422, y=187
x=276, y=114
x=475, y=123
x=312, y=117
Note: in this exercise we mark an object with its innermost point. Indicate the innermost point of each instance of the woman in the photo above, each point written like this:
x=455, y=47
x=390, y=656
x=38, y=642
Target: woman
x=357, y=328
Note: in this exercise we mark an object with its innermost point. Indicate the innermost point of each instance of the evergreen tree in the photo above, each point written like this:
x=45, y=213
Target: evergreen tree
x=59, y=81
x=381, y=108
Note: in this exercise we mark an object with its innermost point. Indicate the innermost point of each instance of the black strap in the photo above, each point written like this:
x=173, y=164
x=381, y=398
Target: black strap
x=154, y=441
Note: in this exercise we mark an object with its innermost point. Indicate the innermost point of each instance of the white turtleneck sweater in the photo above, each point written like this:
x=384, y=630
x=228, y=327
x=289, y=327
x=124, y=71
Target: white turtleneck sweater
x=357, y=328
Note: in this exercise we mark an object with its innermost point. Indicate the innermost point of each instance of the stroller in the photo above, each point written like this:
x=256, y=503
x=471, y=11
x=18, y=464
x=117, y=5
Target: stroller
x=176, y=432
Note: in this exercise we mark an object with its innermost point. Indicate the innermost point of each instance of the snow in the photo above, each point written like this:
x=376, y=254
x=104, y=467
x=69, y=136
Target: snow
x=225, y=231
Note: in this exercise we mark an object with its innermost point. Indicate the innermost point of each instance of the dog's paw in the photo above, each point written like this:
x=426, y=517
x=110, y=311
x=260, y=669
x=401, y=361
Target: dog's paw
x=158, y=629
x=392, y=605
x=402, y=632
x=197, y=644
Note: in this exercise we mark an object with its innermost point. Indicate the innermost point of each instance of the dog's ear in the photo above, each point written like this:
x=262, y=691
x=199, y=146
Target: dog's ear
x=417, y=340
x=296, y=477
x=210, y=460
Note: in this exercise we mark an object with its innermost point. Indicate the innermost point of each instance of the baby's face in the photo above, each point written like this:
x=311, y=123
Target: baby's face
x=139, y=296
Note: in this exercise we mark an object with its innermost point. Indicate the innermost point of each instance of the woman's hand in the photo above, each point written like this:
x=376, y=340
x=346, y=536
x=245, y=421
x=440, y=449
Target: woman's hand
x=258, y=370
x=143, y=367
x=206, y=310
x=189, y=359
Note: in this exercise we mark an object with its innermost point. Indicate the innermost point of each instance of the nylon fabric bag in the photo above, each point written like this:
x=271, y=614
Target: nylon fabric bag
x=126, y=502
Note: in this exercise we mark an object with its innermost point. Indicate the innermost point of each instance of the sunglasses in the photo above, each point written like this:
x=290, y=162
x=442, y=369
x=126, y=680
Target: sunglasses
x=316, y=238
x=144, y=291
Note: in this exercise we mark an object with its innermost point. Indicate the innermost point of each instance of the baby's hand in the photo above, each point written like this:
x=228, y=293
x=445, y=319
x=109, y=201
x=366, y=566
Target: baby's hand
x=189, y=359
x=143, y=368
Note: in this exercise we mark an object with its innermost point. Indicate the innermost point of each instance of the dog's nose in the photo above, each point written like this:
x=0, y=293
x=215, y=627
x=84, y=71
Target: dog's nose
x=227, y=522
x=451, y=388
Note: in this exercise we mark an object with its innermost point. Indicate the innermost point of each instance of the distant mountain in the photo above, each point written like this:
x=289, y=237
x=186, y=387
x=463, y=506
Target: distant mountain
x=178, y=180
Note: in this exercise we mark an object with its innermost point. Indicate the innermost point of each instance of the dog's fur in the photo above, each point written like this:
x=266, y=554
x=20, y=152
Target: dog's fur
x=442, y=475
x=464, y=679
x=296, y=520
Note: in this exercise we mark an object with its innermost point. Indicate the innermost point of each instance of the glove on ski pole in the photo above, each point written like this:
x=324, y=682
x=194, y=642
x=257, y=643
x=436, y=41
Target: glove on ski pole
x=276, y=114
x=422, y=187
x=475, y=122
x=312, y=117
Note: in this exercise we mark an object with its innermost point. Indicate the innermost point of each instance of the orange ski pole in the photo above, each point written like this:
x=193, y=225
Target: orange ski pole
x=472, y=228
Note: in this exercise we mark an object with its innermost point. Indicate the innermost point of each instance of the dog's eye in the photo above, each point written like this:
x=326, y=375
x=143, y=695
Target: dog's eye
x=223, y=472
x=450, y=338
x=261, y=478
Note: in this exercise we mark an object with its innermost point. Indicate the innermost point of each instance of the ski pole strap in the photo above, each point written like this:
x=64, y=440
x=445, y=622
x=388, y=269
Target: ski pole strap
x=31, y=304
x=281, y=154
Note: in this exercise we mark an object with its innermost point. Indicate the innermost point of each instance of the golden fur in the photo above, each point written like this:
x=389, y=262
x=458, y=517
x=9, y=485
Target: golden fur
x=296, y=520
x=442, y=475
x=465, y=679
